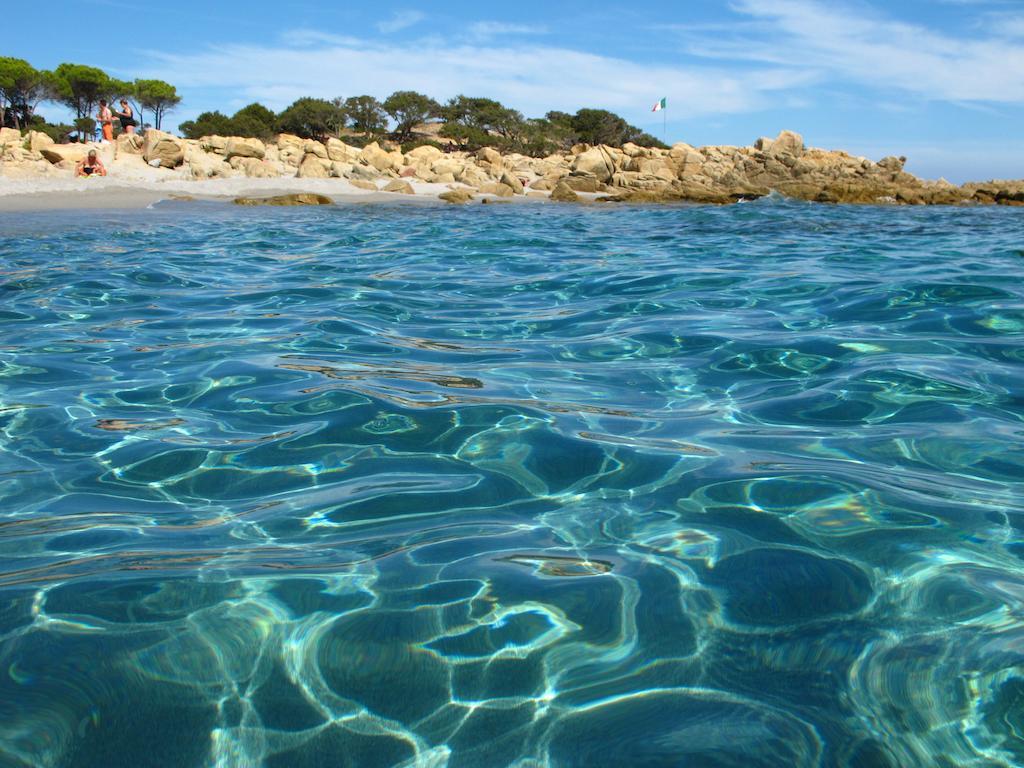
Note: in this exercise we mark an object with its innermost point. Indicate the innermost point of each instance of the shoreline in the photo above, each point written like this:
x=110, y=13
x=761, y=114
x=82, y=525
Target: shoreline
x=36, y=174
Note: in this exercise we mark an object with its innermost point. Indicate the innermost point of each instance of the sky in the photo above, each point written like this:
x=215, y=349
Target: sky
x=938, y=81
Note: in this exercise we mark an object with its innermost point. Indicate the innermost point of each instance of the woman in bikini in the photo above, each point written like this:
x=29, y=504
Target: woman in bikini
x=106, y=120
x=127, y=117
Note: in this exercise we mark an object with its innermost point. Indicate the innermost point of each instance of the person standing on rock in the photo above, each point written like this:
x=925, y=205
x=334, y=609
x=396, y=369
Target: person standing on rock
x=126, y=117
x=106, y=120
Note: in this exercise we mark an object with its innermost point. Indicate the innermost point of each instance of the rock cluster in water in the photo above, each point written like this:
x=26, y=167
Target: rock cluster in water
x=713, y=174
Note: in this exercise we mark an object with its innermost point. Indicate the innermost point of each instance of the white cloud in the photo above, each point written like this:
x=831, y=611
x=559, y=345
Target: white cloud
x=530, y=77
x=486, y=30
x=1004, y=24
x=873, y=50
x=400, y=20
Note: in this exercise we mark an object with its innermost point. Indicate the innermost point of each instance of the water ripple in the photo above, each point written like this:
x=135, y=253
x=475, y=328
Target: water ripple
x=438, y=488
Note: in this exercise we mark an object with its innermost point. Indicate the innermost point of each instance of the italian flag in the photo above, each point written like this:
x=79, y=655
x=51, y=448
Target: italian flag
x=663, y=104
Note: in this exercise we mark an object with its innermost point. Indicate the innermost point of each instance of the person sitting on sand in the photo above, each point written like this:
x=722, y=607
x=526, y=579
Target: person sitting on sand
x=127, y=117
x=106, y=120
x=91, y=166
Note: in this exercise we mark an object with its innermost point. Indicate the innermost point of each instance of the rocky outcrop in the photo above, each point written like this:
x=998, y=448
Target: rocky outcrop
x=10, y=137
x=129, y=143
x=302, y=198
x=36, y=140
x=238, y=147
x=595, y=162
x=313, y=167
x=713, y=174
x=163, y=149
x=497, y=189
x=58, y=153
x=340, y=152
x=563, y=193
x=456, y=196
x=400, y=187
x=374, y=156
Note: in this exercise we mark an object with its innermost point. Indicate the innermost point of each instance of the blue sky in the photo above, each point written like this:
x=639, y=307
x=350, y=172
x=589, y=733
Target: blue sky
x=940, y=81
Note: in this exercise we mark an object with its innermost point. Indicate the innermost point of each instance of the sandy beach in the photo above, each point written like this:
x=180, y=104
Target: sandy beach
x=115, y=192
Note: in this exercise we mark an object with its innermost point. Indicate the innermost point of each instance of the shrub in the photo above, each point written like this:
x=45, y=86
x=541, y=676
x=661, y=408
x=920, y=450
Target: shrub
x=409, y=146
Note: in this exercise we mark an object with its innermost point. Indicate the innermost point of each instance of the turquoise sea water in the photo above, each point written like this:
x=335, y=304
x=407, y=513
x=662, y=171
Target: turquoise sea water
x=512, y=486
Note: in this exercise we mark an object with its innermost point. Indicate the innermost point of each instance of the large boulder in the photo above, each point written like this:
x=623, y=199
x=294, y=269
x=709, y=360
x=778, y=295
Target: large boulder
x=215, y=144
x=254, y=168
x=129, y=144
x=341, y=170
x=340, y=152
x=367, y=172
x=239, y=147
x=472, y=176
x=206, y=165
x=583, y=183
x=498, y=189
x=299, y=198
x=401, y=187
x=312, y=167
x=596, y=162
x=489, y=158
x=291, y=149
x=786, y=143
x=36, y=140
x=562, y=193
x=373, y=155
x=425, y=152
x=512, y=181
x=450, y=165
x=164, y=148
x=10, y=137
x=57, y=153
x=892, y=164
x=315, y=148
x=457, y=196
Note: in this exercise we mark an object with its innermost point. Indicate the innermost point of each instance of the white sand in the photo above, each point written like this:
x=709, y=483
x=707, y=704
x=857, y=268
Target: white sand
x=130, y=183
x=115, y=191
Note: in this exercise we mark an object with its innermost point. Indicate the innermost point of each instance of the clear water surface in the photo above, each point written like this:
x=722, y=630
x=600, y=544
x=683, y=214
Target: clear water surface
x=522, y=486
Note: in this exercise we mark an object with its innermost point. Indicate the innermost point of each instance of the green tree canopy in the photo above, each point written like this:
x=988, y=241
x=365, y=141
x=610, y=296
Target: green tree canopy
x=80, y=87
x=408, y=109
x=158, y=97
x=475, y=121
x=207, y=124
x=366, y=113
x=22, y=87
x=254, y=121
x=599, y=126
x=312, y=118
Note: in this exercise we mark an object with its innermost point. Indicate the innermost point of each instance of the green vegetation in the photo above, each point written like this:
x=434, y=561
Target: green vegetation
x=466, y=122
x=366, y=114
x=22, y=87
x=156, y=96
x=312, y=118
x=408, y=109
x=79, y=88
